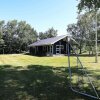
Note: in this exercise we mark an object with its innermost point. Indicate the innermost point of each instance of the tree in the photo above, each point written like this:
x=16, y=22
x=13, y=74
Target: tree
x=10, y=32
x=91, y=5
x=16, y=36
x=77, y=33
x=51, y=33
x=84, y=30
x=1, y=35
x=87, y=22
x=26, y=35
x=48, y=34
x=88, y=4
x=1, y=28
x=42, y=35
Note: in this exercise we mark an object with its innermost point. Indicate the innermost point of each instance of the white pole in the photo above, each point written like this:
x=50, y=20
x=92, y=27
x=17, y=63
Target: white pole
x=96, y=40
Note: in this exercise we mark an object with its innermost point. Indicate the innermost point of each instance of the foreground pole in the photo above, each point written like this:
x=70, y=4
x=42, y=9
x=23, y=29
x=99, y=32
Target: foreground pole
x=96, y=41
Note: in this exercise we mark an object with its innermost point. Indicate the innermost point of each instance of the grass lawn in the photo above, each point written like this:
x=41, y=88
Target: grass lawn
x=25, y=77
x=25, y=60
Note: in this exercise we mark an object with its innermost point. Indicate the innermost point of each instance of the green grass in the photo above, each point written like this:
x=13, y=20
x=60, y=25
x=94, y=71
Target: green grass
x=25, y=60
x=25, y=77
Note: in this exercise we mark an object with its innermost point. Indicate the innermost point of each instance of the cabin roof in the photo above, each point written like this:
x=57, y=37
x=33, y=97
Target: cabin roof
x=48, y=41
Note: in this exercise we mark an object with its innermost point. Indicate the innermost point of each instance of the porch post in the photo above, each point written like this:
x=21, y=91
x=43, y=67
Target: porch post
x=47, y=49
x=35, y=50
x=60, y=47
x=66, y=48
x=52, y=49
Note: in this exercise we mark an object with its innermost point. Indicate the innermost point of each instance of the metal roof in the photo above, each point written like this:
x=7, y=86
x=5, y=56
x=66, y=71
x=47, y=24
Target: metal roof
x=48, y=41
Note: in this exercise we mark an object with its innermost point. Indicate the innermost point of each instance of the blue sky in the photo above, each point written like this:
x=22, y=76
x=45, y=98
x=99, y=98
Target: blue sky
x=41, y=14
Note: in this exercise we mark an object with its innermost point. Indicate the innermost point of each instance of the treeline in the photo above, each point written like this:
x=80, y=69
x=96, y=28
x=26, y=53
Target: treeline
x=84, y=31
x=16, y=36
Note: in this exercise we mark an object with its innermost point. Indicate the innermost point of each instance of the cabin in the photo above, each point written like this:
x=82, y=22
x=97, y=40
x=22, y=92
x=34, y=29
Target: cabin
x=50, y=46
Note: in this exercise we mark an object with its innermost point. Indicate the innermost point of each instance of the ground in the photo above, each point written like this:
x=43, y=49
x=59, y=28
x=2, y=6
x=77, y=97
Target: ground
x=25, y=77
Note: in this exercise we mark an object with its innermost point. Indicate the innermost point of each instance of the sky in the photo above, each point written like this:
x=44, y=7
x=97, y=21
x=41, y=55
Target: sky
x=41, y=14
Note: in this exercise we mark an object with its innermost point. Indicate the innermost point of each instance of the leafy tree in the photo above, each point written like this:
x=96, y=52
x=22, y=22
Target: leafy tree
x=77, y=33
x=88, y=4
x=10, y=32
x=42, y=35
x=84, y=30
x=51, y=32
x=48, y=34
x=26, y=34
x=1, y=28
x=16, y=36
x=1, y=35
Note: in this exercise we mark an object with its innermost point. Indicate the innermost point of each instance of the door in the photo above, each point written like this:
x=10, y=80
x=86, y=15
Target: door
x=59, y=49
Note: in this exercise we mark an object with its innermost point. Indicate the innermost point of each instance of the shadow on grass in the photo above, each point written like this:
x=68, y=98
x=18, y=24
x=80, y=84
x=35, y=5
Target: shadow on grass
x=35, y=83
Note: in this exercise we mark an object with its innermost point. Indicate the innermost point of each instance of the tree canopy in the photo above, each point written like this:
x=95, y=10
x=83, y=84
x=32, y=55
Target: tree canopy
x=88, y=4
x=16, y=36
x=51, y=32
x=84, y=30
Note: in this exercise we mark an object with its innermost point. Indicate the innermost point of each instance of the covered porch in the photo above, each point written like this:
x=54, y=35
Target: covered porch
x=46, y=50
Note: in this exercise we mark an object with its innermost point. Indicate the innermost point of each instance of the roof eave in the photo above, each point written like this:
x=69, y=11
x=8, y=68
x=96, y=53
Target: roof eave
x=39, y=45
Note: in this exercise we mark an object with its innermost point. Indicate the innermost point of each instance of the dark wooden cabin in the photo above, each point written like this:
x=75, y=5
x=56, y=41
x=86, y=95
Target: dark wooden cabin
x=50, y=46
